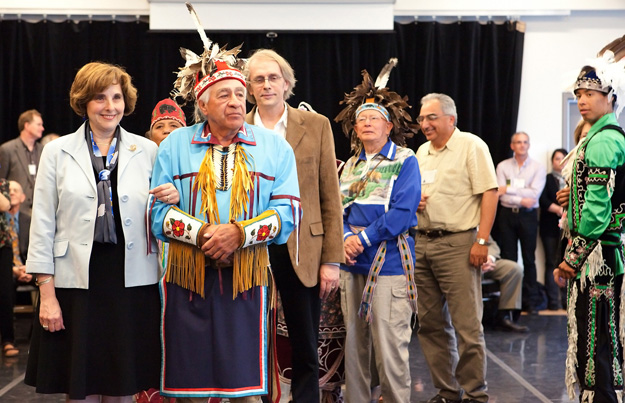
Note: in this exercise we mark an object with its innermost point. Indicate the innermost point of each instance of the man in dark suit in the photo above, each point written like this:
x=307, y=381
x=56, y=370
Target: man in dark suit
x=21, y=226
x=19, y=158
x=308, y=270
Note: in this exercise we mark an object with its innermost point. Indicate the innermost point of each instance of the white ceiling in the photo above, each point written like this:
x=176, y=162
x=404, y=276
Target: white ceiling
x=295, y=15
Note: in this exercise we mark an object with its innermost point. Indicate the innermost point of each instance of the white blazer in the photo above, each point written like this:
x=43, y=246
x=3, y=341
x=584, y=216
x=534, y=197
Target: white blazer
x=65, y=205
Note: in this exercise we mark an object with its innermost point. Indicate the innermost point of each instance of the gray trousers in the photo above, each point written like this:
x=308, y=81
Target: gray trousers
x=376, y=350
x=450, y=302
x=509, y=274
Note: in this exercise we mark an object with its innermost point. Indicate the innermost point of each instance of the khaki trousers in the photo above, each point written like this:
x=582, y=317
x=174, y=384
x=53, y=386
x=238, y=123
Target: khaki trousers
x=510, y=277
x=376, y=350
x=450, y=302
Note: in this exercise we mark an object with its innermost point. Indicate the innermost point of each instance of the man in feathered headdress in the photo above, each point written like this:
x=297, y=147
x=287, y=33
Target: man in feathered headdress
x=380, y=190
x=456, y=214
x=307, y=271
x=238, y=192
x=593, y=261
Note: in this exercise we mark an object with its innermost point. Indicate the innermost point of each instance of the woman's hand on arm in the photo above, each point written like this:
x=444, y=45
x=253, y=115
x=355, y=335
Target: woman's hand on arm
x=166, y=193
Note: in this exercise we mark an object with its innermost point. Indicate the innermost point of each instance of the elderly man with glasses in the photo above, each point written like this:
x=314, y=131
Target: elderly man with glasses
x=455, y=215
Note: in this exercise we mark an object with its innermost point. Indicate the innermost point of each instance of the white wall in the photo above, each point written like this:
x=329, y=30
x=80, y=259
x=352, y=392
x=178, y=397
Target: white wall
x=499, y=7
x=555, y=50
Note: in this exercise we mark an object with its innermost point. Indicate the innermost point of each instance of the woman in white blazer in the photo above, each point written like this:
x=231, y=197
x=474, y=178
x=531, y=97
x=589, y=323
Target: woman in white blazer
x=98, y=333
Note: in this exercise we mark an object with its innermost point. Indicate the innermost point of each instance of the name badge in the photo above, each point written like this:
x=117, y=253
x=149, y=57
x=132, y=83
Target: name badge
x=518, y=183
x=428, y=177
x=32, y=169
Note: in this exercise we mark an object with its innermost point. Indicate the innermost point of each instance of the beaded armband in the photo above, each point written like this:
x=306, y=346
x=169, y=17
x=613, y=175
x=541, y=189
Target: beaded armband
x=599, y=175
x=578, y=251
x=182, y=227
x=259, y=229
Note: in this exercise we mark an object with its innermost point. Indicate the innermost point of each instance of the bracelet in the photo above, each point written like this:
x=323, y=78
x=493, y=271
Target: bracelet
x=42, y=282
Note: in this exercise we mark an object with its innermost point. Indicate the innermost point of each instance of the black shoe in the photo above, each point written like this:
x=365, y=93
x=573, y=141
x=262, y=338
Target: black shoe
x=441, y=399
x=470, y=401
x=506, y=324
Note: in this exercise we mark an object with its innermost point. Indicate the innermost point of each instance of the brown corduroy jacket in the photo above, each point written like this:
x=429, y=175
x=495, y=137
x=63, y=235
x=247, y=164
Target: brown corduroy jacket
x=321, y=231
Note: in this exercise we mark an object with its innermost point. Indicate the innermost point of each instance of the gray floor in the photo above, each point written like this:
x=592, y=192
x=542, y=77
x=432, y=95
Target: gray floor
x=522, y=368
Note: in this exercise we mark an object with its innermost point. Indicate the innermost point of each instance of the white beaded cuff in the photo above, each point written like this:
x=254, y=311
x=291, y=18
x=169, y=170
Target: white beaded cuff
x=181, y=226
x=260, y=229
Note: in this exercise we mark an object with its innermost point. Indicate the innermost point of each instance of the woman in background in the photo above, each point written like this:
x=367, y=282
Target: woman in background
x=166, y=117
x=550, y=213
x=562, y=195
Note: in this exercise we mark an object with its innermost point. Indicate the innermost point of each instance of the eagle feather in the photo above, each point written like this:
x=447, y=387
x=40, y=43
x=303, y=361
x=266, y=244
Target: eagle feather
x=198, y=26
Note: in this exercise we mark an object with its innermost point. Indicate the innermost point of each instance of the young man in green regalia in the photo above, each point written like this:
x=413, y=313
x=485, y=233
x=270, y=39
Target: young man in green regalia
x=593, y=261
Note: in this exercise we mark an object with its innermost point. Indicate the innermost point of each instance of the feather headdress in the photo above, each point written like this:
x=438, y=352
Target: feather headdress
x=606, y=73
x=194, y=76
x=617, y=47
x=396, y=106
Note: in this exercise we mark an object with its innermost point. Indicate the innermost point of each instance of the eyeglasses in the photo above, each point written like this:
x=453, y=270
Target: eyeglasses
x=430, y=118
x=260, y=80
x=372, y=119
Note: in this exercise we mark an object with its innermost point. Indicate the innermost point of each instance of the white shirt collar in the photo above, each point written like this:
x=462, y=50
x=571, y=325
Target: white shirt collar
x=280, y=126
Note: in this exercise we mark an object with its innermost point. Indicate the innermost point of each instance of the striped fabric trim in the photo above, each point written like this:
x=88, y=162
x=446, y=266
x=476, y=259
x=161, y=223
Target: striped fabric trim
x=407, y=263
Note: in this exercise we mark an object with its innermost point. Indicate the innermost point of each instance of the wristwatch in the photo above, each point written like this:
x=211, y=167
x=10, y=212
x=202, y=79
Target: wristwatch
x=482, y=241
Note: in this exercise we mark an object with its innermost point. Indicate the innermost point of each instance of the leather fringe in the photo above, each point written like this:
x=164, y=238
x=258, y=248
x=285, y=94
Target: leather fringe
x=588, y=396
x=185, y=266
x=570, y=378
x=250, y=268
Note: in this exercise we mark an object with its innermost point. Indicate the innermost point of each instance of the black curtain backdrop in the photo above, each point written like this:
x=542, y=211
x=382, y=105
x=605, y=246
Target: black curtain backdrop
x=478, y=65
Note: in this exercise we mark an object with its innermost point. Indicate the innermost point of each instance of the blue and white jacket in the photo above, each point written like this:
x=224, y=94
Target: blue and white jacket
x=386, y=206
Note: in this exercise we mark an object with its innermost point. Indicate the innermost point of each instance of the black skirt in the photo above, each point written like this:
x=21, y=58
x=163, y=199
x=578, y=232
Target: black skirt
x=111, y=342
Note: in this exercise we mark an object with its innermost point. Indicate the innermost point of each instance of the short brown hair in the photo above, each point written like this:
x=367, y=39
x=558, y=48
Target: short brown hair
x=27, y=117
x=93, y=78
